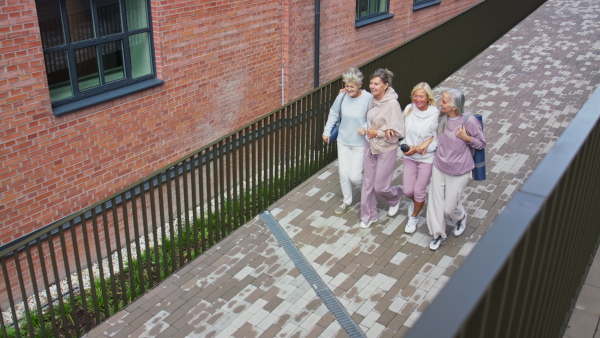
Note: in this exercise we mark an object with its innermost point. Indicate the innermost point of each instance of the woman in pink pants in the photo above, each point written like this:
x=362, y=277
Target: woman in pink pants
x=421, y=121
x=380, y=152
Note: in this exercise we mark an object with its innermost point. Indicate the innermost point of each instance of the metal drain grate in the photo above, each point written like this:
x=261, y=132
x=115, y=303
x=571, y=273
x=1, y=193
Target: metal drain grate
x=311, y=276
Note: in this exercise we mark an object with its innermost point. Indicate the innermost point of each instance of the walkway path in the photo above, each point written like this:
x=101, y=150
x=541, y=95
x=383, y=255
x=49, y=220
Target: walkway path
x=528, y=86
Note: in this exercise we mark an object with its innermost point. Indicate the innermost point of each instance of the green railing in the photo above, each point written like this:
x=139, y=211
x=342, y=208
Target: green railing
x=110, y=253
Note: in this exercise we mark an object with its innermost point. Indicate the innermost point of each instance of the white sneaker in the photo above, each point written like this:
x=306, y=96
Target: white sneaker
x=411, y=208
x=411, y=226
x=394, y=209
x=342, y=208
x=435, y=243
x=461, y=225
x=364, y=226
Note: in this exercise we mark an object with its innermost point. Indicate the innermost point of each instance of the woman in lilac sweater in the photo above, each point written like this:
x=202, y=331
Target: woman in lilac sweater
x=452, y=166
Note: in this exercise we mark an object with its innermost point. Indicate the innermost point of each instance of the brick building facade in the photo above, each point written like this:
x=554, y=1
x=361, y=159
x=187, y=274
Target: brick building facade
x=222, y=64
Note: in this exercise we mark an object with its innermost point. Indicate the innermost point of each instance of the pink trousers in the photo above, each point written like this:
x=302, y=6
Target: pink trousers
x=378, y=172
x=415, y=178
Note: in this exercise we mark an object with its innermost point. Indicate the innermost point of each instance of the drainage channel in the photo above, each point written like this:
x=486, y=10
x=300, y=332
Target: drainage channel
x=311, y=276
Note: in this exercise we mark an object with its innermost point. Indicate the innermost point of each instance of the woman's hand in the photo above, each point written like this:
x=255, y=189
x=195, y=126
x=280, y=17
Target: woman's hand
x=372, y=133
x=326, y=138
x=461, y=133
x=342, y=91
x=411, y=150
x=422, y=148
x=362, y=131
x=389, y=133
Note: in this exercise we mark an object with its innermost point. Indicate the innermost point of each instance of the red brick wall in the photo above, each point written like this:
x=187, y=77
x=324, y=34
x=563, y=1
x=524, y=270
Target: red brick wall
x=221, y=65
x=343, y=45
x=221, y=62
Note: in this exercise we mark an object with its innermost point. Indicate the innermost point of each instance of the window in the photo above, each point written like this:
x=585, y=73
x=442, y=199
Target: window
x=369, y=11
x=418, y=4
x=95, y=50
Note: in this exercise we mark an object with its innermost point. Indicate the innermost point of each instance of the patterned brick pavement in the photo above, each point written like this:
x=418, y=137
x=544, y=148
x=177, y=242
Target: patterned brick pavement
x=528, y=86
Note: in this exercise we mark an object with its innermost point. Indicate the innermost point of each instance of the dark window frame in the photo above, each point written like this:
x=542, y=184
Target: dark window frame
x=362, y=20
x=106, y=89
x=419, y=4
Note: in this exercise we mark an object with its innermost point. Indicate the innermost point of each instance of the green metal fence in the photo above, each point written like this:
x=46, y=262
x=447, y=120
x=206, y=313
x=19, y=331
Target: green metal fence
x=67, y=277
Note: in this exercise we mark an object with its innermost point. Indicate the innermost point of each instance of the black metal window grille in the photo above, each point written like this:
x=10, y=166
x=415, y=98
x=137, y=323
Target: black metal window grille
x=94, y=47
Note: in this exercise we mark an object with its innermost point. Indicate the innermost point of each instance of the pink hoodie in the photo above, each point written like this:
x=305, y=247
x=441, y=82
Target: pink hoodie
x=383, y=115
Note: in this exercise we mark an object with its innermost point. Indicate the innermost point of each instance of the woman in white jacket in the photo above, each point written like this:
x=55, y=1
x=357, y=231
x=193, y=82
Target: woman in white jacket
x=421, y=123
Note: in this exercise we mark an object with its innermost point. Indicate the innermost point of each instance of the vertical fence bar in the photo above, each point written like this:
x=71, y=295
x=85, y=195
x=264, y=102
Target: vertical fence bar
x=88, y=256
x=139, y=263
x=76, y=257
x=217, y=193
x=289, y=147
x=119, y=249
x=20, y=280
x=59, y=294
x=258, y=175
x=235, y=172
x=248, y=162
x=222, y=193
x=253, y=179
x=163, y=225
x=186, y=207
x=47, y=285
x=36, y=292
x=201, y=194
x=130, y=266
x=11, y=300
x=155, y=226
x=298, y=164
x=229, y=212
x=102, y=280
x=193, y=186
x=272, y=180
x=172, y=260
x=147, y=243
x=516, y=286
x=3, y=330
x=278, y=140
x=209, y=197
x=178, y=210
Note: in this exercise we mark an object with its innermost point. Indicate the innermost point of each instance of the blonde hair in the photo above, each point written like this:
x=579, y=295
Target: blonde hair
x=430, y=99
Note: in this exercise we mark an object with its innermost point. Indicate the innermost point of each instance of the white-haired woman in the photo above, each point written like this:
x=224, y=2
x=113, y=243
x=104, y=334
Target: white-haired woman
x=452, y=165
x=351, y=106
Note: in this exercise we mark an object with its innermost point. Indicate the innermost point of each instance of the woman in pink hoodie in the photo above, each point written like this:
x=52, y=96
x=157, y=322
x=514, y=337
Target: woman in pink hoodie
x=380, y=152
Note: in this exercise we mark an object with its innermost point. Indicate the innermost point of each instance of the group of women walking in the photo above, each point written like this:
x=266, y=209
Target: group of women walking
x=436, y=145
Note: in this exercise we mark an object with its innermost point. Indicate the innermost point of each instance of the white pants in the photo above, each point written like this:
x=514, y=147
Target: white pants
x=445, y=193
x=350, y=162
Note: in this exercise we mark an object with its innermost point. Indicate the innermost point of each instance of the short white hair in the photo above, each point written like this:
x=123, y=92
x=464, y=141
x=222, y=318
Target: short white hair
x=353, y=75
